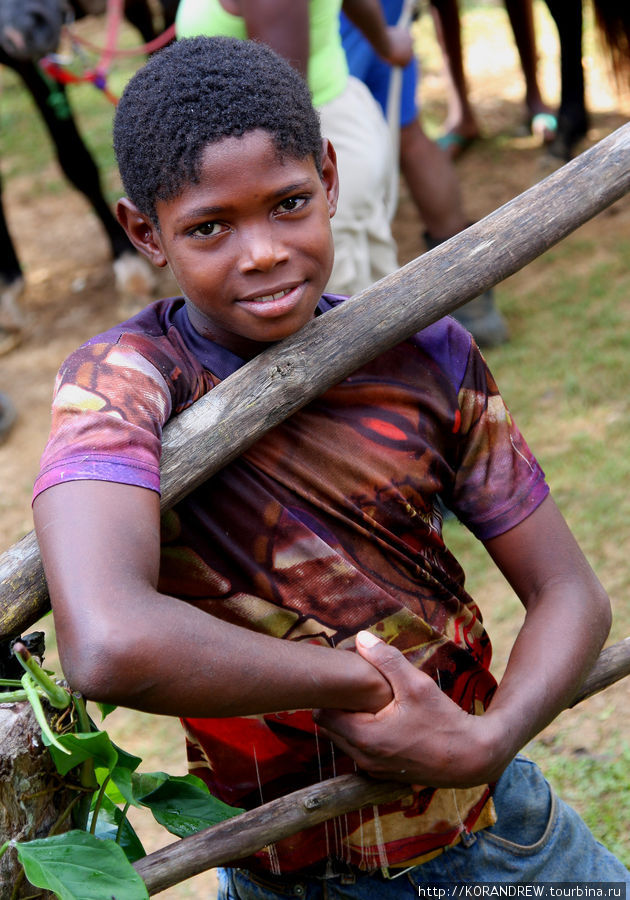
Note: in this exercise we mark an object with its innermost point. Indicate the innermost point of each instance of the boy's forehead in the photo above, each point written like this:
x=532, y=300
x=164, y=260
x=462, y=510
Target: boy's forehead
x=232, y=148
x=237, y=169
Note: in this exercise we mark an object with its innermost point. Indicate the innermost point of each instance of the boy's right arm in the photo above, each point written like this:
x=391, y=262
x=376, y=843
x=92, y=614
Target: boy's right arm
x=123, y=642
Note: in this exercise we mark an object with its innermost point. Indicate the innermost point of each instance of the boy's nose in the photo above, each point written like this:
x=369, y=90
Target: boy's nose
x=261, y=250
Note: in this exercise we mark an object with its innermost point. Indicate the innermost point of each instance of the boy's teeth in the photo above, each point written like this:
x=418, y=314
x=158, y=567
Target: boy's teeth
x=268, y=297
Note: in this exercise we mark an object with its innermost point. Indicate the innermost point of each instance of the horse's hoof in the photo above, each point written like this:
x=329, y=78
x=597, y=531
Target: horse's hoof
x=7, y=417
x=11, y=315
x=135, y=279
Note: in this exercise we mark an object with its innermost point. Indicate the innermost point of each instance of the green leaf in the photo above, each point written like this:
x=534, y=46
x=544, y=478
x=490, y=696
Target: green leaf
x=79, y=866
x=108, y=827
x=144, y=783
x=127, y=760
x=96, y=745
x=184, y=805
x=106, y=709
x=119, y=788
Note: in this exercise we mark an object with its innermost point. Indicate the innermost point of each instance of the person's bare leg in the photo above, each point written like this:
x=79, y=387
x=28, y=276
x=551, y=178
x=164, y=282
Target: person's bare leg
x=521, y=16
x=433, y=183
x=434, y=187
x=461, y=123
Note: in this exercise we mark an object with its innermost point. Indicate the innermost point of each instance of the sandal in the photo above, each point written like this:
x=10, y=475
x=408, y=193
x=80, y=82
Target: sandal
x=454, y=144
x=543, y=125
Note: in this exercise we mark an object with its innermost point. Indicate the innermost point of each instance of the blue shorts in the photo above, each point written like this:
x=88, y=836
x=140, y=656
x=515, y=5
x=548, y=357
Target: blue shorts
x=537, y=838
x=366, y=65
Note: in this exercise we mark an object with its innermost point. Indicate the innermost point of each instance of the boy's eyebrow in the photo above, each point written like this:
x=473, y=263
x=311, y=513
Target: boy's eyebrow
x=285, y=190
x=303, y=185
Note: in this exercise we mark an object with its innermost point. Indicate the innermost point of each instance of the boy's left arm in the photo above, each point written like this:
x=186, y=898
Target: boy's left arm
x=423, y=737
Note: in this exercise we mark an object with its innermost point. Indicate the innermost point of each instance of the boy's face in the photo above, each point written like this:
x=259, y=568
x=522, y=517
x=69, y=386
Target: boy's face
x=249, y=244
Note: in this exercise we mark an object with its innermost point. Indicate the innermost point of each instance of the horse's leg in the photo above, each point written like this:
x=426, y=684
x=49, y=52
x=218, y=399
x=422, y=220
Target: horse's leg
x=80, y=169
x=11, y=283
x=74, y=157
x=169, y=8
x=572, y=115
x=10, y=269
x=138, y=13
x=521, y=16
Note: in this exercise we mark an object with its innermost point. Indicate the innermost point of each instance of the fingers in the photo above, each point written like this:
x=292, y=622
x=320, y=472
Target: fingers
x=387, y=659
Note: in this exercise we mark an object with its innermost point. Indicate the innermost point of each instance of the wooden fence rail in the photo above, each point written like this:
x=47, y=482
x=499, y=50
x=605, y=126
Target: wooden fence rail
x=245, y=834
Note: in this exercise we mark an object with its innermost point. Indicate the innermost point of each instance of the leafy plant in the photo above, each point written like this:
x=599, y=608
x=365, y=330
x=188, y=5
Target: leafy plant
x=94, y=859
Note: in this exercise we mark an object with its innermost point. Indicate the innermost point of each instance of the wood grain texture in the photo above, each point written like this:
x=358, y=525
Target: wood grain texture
x=248, y=832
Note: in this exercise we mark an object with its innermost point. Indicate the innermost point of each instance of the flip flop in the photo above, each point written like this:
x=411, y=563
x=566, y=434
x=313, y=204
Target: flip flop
x=454, y=143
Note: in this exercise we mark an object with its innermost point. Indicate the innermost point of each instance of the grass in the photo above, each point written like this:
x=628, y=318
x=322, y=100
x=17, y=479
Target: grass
x=564, y=375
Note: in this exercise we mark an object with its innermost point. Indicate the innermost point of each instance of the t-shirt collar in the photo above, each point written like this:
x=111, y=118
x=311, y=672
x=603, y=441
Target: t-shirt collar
x=217, y=359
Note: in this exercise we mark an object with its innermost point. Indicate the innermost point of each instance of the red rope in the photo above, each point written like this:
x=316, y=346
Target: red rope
x=98, y=75
x=65, y=76
x=114, y=18
x=156, y=44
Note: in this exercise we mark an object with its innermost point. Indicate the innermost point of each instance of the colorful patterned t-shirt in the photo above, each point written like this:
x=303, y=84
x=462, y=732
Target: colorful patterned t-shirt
x=328, y=525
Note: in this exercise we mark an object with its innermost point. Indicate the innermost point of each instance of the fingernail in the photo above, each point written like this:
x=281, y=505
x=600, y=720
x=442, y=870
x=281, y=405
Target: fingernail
x=367, y=639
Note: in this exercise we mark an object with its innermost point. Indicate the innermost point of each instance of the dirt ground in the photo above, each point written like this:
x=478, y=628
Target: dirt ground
x=70, y=289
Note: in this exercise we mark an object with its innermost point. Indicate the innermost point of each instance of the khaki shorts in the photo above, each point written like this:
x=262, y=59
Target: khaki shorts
x=365, y=249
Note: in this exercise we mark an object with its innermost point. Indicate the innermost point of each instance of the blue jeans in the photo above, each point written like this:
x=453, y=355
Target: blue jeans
x=537, y=838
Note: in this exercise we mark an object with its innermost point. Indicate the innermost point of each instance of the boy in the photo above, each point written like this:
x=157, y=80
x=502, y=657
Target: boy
x=306, y=32
x=323, y=535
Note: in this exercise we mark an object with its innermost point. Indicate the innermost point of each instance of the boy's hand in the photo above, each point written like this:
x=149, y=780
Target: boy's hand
x=421, y=736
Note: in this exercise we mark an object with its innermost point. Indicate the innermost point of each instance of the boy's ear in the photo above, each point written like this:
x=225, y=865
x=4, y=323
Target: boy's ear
x=142, y=233
x=330, y=176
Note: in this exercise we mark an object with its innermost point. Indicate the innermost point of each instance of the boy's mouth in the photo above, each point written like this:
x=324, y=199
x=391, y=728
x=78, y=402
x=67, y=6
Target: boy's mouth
x=275, y=303
x=267, y=298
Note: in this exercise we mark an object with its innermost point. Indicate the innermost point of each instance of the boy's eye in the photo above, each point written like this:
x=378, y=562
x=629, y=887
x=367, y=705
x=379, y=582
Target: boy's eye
x=208, y=229
x=292, y=203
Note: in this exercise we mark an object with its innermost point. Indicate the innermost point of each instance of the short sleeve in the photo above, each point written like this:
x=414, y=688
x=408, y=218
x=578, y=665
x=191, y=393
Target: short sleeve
x=498, y=481
x=109, y=407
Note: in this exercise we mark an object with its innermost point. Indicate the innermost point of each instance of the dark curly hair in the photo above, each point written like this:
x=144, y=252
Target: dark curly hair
x=199, y=91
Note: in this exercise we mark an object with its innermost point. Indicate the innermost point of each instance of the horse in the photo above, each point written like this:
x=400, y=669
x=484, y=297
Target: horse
x=30, y=29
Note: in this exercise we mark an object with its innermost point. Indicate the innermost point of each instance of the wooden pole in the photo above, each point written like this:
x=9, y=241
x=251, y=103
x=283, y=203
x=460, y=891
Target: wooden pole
x=245, y=834
x=278, y=382
x=612, y=665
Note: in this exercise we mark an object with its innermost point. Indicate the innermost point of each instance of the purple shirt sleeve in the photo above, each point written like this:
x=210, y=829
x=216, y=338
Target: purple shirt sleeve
x=109, y=407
